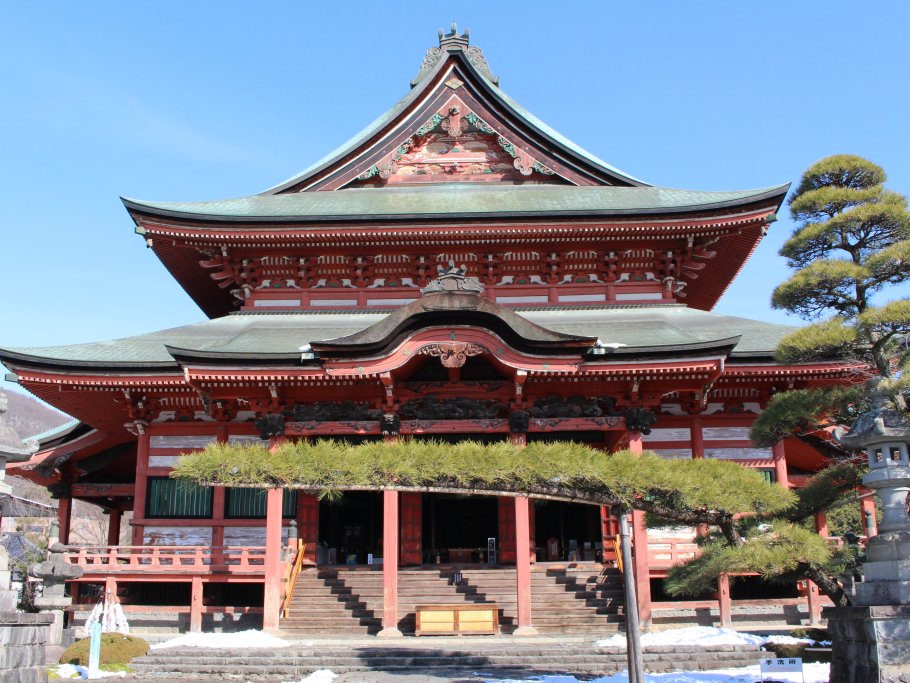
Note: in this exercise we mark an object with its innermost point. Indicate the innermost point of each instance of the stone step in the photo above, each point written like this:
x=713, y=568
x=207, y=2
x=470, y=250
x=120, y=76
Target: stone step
x=492, y=657
x=565, y=599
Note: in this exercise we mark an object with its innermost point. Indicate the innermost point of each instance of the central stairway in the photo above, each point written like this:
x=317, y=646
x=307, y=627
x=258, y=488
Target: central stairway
x=567, y=598
x=494, y=656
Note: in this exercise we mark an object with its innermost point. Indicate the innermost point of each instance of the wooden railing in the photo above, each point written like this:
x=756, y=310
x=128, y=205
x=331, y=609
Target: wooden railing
x=154, y=559
x=664, y=553
x=290, y=579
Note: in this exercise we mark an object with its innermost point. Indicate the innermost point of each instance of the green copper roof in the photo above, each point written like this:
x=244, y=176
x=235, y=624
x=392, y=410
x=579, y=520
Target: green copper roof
x=448, y=199
x=283, y=334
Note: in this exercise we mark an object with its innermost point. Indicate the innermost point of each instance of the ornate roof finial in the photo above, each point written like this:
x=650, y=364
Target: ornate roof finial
x=453, y=39
x=451, y=42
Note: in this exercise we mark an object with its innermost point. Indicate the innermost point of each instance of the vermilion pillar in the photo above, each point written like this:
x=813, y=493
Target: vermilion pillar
x=821, y=524
x=142, y=465
x=780, y=464
x=815, y=604
x=196, y=605
x=640, y=546
x=725, y=606
x=271, y=604
x=523, y=565
x=113, y=527
x=64, y=518
x=390, y=533
x=696, y=439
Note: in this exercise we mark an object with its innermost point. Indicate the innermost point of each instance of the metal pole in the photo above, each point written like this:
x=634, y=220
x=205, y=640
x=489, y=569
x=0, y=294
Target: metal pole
x=633, y=629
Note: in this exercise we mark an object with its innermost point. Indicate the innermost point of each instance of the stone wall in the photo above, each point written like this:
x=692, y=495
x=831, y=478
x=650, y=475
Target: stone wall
x=22, y=641
x=872, y=644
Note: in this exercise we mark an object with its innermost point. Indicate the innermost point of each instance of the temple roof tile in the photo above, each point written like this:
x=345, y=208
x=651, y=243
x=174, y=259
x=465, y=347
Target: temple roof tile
x=446, y=200
x=281, y=335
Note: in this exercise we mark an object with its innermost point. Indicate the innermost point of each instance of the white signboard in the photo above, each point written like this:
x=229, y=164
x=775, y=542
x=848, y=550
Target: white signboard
x=781, y=665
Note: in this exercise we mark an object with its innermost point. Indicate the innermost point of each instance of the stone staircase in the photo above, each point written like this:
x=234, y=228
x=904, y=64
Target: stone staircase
x=497, y=656
x=566, y=598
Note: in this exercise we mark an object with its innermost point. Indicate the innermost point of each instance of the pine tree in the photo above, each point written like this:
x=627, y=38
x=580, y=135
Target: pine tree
x=852, y=242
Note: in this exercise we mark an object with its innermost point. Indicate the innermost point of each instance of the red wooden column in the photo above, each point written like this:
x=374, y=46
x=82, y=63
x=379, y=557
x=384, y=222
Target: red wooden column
x=142, y=466
x=390, y=533
x=697, y=444
x=815, y=604
x=640, y=546
x=113, y=527
x=218, y=499
x=725, y=605
x=196, y=605
x=64, y=518
x=271, y=604
x=697, y=439
x=523, y=565
x=780, y=464
x=821, y=524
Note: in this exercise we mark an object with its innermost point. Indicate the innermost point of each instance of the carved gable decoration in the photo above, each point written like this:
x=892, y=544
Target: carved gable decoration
x=456, y=145
x=453, y=279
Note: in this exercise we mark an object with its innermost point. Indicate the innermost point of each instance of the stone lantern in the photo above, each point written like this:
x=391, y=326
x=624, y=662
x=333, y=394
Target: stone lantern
x=871, y=639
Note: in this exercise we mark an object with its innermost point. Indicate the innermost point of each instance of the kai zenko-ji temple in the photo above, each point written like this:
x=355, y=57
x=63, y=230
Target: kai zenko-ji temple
x=458, y=270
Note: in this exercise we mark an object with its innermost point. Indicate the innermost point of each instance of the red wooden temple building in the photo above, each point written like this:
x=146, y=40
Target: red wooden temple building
x=458, y=270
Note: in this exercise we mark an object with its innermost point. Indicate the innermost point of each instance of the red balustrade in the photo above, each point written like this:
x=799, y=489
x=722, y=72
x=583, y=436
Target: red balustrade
x=168, y=559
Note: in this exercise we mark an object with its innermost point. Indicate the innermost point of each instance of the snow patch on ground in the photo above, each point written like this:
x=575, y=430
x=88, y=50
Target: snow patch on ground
x=76, y=671
x=240, y=639
x=790, y=640
x=693, y=635
x=814, y=673
x=320, y=676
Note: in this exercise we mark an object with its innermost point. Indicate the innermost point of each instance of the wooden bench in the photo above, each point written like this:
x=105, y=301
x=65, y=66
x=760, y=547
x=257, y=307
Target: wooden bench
x=457, y=619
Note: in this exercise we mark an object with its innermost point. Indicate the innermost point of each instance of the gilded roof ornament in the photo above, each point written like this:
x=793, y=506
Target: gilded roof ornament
x=451, y=42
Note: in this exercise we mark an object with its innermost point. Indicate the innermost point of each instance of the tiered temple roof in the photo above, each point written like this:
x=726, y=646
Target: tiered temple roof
x=580, y=261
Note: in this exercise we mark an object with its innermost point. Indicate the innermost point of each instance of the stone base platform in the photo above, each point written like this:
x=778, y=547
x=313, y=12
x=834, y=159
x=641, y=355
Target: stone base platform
x=496, y=656
x=870, y=644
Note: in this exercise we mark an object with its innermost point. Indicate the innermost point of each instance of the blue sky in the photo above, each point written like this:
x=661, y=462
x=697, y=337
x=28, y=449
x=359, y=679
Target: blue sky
x=204, y=100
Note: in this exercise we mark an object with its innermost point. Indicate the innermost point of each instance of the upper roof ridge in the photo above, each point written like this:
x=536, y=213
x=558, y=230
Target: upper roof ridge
x=453, y=41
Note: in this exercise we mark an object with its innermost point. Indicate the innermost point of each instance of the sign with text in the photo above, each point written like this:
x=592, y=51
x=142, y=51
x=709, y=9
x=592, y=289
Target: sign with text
x=781, y=665
x=94, y=650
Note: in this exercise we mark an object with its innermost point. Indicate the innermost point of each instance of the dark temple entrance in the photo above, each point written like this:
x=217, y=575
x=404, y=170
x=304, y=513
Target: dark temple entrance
x=350, y=529
x=567, y=531
x=456, y=527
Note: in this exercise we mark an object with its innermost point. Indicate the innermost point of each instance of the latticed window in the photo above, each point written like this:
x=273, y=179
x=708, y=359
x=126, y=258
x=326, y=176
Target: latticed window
x=250, y=504
x=166, y=497
x=769, y=475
